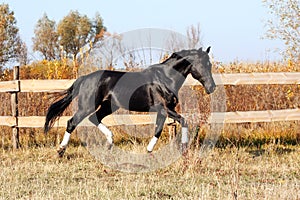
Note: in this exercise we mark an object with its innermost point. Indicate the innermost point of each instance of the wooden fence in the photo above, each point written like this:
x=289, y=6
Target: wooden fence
x=15, y=86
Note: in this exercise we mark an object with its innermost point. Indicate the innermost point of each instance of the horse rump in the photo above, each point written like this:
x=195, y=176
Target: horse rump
x=57, y=108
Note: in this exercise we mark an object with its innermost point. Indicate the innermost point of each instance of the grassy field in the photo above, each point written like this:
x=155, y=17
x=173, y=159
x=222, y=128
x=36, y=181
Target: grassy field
x=270, y=172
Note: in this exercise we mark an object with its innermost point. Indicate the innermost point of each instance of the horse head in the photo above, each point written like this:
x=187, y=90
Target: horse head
x=200, y=68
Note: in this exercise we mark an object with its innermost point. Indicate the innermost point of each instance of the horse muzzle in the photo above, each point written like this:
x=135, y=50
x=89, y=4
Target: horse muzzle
x=209, y=85
x=210, y=89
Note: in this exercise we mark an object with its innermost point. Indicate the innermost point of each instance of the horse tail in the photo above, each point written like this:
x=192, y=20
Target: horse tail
x=57, y=108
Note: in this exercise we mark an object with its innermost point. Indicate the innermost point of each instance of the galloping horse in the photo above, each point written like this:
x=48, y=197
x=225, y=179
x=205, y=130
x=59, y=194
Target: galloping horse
x=155, y=89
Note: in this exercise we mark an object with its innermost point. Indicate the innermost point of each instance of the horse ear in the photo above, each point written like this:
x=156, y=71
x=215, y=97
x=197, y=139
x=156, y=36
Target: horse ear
x=208, y=49
x=174, y=55
x=200, y=49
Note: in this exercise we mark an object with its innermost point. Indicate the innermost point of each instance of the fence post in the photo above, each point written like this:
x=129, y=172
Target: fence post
x=15, y=110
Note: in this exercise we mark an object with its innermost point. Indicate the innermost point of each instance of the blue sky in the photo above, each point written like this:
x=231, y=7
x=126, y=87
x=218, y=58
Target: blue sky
x=233, y=27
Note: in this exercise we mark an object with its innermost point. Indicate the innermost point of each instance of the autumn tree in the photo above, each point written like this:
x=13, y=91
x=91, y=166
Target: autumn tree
x=10, y=41
x=45, y=40
x=284, y=25
x=23, y=56
x=76, y=31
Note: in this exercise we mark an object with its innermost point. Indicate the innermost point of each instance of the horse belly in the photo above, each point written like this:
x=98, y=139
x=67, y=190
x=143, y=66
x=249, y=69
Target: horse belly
x=140, y=101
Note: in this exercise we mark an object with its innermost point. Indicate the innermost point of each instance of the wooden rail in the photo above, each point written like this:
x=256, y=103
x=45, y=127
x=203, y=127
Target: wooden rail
x=220, y=79
x=8, y=121
x=140, y=119
x=17, y=85
x=9, y=86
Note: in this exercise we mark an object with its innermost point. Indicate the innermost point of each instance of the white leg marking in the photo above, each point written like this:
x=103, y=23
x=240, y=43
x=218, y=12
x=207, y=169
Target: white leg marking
x=184, y=135
x=152, y=144
x=108, y=134
x=66, y=139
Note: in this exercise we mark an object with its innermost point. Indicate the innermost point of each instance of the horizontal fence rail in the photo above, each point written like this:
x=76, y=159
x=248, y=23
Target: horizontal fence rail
x=8, y=121
x=9, y=86
x=143, y=119
x=220, y=79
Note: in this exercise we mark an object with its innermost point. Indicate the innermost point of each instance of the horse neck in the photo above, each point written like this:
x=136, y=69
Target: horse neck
x=180, y=68
x=180, y=65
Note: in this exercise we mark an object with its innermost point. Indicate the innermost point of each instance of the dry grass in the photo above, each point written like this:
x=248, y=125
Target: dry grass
x=231, y=173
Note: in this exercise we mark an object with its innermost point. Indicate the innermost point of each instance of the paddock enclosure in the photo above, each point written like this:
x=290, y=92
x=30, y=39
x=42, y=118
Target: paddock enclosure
x=276, y=79
x=257, y=155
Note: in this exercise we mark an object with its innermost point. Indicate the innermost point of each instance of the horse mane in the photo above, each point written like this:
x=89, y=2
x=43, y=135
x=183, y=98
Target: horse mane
x=180, y=54
x=173, y=55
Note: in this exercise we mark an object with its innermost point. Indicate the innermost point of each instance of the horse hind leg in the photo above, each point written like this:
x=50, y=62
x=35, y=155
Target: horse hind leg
x=84, y=109
x=160, y=120
x=106, y=109
x=72, y=124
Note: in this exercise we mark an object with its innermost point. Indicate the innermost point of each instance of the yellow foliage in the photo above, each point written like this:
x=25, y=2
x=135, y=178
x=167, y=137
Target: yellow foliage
x=248, y=67
x=289, y=94
x=57, y=69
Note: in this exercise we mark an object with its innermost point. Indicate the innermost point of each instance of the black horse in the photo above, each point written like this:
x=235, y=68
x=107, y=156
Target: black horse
x=154, y=89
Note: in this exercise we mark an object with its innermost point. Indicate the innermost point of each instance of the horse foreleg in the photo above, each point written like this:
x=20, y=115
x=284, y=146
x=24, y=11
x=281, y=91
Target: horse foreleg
x=160, y=120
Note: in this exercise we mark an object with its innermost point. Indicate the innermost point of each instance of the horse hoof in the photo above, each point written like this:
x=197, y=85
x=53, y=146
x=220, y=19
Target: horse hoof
x=60, y=151
x=149, y=151
x=110, y=146
x=150, y=154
